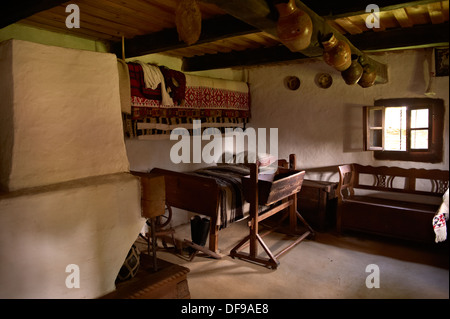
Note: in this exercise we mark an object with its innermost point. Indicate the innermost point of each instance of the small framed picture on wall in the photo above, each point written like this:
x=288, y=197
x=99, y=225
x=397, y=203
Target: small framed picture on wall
x=441, y=60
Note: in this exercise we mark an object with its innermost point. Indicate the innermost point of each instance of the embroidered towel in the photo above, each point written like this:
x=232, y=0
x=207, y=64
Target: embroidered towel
x=439, y=220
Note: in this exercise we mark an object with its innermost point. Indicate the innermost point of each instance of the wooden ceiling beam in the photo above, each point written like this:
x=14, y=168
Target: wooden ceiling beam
x=250, y=17
x=343, y=9
x=214, y=29
x=417, y=36
x=249, y=57
x=14, y=11
x=402, y=18
x=262, y=14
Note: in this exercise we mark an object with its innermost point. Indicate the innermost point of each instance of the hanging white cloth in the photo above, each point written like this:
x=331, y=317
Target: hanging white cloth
x=152, y=78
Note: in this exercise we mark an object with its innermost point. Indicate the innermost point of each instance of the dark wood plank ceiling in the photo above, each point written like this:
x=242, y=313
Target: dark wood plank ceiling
x=234, y=32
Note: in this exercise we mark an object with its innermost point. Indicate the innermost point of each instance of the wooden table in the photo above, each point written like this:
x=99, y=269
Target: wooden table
x=317, y=202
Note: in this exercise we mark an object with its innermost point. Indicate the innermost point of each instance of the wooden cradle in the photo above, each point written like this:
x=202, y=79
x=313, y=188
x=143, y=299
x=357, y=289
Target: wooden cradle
x=276, y=193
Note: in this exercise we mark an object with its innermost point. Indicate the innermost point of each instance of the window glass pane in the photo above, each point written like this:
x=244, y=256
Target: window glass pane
x=375, y=118
x=419, y=139
x=419, y=118
x=376, y=138
x=424, y=130
x=395, y=129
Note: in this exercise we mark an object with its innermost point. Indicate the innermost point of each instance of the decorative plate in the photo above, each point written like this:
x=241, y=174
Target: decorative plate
x=292, y=82
x=324, y=80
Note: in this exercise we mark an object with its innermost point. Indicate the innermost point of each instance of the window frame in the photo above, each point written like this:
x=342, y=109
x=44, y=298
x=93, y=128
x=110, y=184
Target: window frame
x=434, y=153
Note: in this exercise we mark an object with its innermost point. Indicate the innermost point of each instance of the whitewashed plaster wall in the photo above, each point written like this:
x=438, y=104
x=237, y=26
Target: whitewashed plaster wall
x=90, y=223
x=63, y=105
x=324, y=126
x=67, y=194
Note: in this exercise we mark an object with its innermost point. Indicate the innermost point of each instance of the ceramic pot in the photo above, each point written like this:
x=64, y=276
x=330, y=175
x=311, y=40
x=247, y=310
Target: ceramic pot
x=354, y=72
x=368, y=77
x=336, y=53
x=294, y=26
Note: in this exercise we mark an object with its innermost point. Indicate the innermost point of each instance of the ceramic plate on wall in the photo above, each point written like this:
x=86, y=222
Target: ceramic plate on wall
x=324, y=80
x=292, y=82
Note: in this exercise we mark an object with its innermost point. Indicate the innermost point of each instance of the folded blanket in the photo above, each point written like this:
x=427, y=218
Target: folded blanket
x=217, y=103
x=232, y=202
x=175, y=84
x=439, y=220
x=137, y=85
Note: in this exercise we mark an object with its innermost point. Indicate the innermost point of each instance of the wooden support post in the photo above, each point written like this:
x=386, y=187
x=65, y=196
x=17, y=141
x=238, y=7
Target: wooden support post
x=123, y=48
x=292, y=161
x=254, y=210
x=153, y=245
x=293, y=214
x=293, y=207
x=214, y=235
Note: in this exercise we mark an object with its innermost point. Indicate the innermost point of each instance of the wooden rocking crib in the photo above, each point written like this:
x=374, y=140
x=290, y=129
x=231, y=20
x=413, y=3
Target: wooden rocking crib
x=271, y=194
x=274, y=193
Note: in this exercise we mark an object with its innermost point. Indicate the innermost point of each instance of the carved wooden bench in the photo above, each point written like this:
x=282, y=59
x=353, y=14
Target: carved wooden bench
x=390, y=201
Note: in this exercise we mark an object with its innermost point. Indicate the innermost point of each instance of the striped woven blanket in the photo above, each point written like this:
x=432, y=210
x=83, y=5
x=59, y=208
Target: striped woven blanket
x=233, y=206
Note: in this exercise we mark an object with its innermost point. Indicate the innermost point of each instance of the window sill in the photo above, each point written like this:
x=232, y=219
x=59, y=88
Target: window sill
x=429, y=157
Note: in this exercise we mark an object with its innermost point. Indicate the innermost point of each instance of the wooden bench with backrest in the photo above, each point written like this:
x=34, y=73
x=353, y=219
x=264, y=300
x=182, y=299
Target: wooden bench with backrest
x=390, y=201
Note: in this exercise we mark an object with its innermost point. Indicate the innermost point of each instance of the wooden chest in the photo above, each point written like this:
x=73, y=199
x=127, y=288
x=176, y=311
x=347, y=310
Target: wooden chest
x=317, y=202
